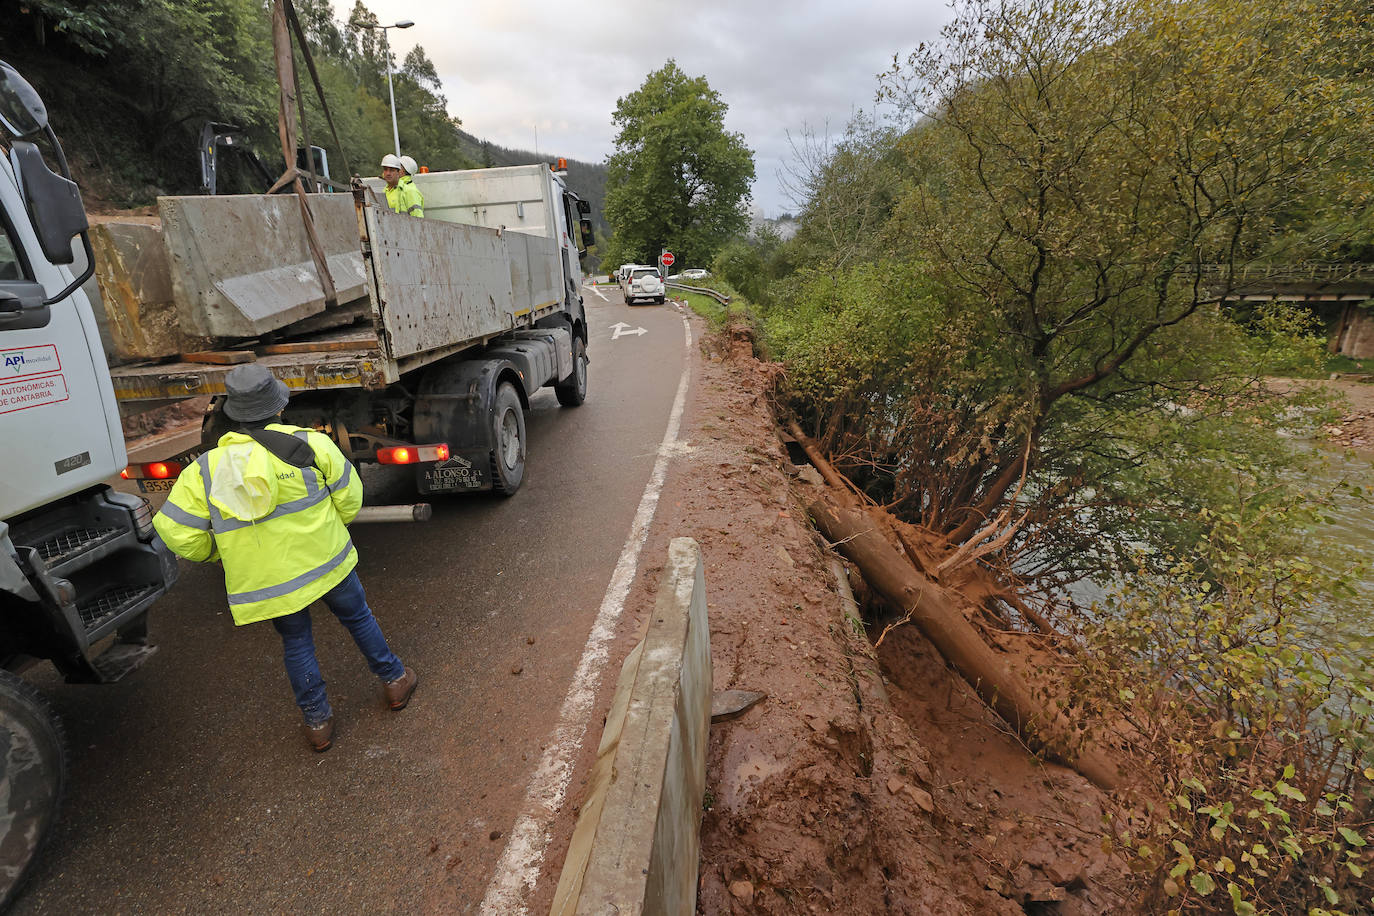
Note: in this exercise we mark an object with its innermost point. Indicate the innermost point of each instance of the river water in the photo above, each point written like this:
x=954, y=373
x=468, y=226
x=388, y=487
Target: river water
x=1345, y=538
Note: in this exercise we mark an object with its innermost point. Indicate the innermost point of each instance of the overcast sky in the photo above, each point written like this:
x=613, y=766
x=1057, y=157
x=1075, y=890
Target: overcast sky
x=511, y=68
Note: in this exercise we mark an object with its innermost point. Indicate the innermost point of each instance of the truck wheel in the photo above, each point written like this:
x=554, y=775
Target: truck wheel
x=508, y=434
x=33, y=764
x=573, y=392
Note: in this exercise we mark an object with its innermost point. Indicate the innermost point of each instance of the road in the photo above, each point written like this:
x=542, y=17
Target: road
x=191, y=787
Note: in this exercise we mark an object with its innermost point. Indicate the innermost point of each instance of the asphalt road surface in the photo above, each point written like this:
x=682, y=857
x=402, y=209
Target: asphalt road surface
x=191, y=787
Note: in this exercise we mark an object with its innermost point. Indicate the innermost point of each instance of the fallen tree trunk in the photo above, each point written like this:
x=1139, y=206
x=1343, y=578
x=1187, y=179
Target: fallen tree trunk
x=858, y=535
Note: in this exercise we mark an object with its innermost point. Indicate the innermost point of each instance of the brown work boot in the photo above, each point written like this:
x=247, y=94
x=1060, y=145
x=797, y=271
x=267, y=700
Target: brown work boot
x=321, y=737
x=398, y=691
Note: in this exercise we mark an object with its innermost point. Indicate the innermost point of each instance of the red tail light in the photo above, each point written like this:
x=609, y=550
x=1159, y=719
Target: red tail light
x=413, y=454
x=153, y=470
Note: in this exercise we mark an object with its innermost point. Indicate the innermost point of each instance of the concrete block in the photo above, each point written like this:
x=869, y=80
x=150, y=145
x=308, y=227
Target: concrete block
x=636, y=846
x=241, y=266
x=139, y=316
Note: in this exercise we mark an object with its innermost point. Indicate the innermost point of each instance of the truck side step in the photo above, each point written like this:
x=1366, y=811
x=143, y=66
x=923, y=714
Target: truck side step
x=60, y=550
x=103, y=606
x=120, y=659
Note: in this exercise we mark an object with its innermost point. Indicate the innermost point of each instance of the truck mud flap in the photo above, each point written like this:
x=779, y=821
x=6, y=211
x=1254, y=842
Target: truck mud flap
x=465, y=472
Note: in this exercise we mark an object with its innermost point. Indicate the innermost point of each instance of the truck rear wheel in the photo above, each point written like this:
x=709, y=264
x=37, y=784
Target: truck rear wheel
x=573, y=391
x=33, y=764
x=508, y=436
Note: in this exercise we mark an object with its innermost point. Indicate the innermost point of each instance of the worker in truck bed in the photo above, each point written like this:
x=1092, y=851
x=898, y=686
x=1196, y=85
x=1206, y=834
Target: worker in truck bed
x=403, y=198
x=409, y=167
x=271, y=503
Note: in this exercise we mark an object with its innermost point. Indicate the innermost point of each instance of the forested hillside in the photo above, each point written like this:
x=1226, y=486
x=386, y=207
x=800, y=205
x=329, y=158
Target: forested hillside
x=130, y=83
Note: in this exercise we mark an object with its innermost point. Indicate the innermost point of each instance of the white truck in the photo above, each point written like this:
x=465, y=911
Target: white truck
x=441, y=330
x=79, y=563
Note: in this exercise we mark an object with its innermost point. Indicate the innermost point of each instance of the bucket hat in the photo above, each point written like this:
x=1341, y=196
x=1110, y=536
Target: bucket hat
x=254, y=394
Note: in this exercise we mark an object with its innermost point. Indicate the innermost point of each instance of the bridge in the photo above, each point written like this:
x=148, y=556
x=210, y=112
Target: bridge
x=1308, y=281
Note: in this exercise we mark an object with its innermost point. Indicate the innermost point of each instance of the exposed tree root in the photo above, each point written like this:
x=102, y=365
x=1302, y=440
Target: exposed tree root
x=869, y=538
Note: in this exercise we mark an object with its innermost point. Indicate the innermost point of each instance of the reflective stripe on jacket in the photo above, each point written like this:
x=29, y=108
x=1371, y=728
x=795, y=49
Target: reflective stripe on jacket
x=406, y=198
x=281, y=561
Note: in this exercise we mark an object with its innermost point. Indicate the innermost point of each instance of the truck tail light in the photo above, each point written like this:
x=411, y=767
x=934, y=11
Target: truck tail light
x=153, y=470
x=413, y=454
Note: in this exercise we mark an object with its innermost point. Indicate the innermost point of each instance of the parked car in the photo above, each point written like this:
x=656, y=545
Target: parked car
x=696, y=273
x=644, y=283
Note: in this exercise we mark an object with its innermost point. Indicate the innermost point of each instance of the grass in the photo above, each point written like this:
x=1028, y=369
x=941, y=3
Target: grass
x=706, y=307
x=1345, y=364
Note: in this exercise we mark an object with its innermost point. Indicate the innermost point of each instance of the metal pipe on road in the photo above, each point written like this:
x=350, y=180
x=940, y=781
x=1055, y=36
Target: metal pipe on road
x=416, y=512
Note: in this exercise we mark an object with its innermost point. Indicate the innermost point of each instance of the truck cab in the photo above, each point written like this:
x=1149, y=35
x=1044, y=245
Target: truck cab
x=79, y=563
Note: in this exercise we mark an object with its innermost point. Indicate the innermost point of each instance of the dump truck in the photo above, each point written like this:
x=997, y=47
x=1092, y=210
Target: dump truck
x=438, y=332
x=80, y=564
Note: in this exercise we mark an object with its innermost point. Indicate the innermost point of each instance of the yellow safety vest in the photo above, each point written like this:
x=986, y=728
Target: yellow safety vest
x=406, y=198
x=284, y=544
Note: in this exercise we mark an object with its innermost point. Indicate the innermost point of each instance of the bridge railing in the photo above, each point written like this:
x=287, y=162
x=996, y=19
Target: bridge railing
x=1295, y=272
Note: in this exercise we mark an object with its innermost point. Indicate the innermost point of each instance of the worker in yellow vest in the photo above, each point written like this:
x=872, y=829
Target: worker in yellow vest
x=409, y=169
x=403, y=198
x=271, y=502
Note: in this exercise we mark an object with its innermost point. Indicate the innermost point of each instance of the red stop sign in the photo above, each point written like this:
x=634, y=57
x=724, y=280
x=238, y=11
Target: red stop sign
x=667, y=259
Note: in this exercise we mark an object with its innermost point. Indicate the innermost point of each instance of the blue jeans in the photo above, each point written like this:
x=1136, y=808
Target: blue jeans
x=349, y=604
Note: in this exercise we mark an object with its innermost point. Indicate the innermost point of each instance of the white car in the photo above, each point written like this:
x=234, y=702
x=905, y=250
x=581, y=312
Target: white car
x=644, y=283
x=696, y=273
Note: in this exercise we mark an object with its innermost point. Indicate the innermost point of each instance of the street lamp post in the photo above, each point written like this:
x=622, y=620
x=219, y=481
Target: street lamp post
x=386, y=55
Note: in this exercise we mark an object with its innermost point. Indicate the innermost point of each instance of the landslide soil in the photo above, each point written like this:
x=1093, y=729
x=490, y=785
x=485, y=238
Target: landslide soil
x=866, y=781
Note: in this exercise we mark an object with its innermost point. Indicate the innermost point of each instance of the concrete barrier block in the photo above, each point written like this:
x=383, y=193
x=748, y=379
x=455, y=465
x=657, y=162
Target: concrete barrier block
x=636, y=846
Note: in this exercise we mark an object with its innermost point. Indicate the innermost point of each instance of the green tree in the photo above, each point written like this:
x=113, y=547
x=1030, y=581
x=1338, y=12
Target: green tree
x=678, y=178
x=1071, y=172
x=751, y=265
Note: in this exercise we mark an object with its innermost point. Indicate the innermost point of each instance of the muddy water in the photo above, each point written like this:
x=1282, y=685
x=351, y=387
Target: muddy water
x=1350, y=522
x=1347, y=536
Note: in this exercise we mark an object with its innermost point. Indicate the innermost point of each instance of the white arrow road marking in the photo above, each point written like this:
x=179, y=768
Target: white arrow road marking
x=622, y=329
x=521, y=860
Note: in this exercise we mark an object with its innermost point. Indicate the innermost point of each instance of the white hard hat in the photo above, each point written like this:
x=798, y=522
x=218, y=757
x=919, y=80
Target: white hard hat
x=392, y=161
x=408, y=163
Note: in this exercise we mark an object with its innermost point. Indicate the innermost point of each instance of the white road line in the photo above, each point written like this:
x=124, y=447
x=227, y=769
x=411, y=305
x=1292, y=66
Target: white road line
x=521, y=860
x=598, y=292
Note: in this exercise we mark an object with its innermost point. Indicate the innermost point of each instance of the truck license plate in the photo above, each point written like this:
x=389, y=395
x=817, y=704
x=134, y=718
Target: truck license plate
x=458, y=474
x=155, y=486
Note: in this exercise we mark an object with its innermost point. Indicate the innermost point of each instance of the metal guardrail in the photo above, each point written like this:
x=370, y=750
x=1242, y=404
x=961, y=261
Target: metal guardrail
x=705, y=291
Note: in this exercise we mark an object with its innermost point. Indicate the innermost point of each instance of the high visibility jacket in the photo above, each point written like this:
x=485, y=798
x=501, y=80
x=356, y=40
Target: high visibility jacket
x=409, y=181
x=279, y=530
x=406, y=198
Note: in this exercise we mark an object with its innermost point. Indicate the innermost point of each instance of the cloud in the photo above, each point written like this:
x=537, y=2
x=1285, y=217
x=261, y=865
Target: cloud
x=511, y=69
